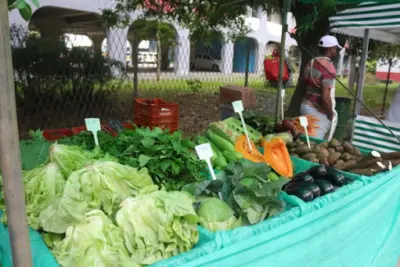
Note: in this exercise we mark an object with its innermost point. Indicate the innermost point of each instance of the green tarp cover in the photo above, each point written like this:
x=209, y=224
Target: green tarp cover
x=358, y=225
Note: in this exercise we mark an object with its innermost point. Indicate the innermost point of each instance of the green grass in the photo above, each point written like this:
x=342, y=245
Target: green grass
x=373, y=92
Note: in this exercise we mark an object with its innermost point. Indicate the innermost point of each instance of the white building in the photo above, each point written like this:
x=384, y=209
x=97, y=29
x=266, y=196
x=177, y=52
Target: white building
x=57, y=17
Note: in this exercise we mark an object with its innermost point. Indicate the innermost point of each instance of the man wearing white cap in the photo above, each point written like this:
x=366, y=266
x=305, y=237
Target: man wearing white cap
x=319, y=76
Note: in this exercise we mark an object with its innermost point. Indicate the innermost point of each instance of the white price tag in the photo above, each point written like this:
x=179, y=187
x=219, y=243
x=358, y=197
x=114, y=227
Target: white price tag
x=283, y=92
x=204, y=151
x=93, y=125
x=303, y=121
x=238, y=106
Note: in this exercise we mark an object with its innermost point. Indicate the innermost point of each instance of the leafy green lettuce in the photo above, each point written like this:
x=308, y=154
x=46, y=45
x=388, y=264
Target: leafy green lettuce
x=158, y=225
x=69, y=158
x=216, y=215
x=100, y=185
x=42, y=186
x=95, y=241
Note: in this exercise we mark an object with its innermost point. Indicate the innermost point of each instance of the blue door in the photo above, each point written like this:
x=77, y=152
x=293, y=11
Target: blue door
x=240, y=51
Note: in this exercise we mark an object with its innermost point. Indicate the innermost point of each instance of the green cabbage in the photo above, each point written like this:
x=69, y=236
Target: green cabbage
x=158, y=225
x=70, y=158
x=42, y=186
x=95, y=241
x=216, y=215
x=100, y=185
x=286, y=137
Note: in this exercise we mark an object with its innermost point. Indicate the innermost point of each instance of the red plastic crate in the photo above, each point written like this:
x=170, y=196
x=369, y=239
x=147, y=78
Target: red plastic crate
x=156, y=110
x=55, y=134
x=78, y=130
x=172, y=126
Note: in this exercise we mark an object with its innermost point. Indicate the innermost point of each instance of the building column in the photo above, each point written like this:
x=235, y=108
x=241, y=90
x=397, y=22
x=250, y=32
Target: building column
x=182, y=53
x=97, y=43
x=116, y=46
x=340, y=62
x=227, y=52
x=260, y=56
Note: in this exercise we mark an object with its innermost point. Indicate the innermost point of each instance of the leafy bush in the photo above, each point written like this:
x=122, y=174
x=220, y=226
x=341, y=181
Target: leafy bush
x=54, y=80
x=371, y=66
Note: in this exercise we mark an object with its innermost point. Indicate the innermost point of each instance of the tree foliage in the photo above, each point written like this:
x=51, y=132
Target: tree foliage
x=23, y=7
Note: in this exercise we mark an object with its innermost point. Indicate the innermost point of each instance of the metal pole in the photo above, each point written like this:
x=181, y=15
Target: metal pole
x=363, y=61
x=286, y=7
x=135, y=55
x=9, y=149
x=246, y=75
x=387, y=86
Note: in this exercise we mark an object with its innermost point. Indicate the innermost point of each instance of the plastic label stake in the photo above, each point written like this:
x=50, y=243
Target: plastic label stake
x=93, y=125
x=205, y=153
x=238, y=107
x=304, y=123
x=283, y=93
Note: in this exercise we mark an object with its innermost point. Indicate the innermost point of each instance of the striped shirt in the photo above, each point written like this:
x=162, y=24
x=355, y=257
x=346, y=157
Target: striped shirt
x=318, y=73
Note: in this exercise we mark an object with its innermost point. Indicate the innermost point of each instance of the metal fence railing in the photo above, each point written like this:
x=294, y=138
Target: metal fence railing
x=62, y=80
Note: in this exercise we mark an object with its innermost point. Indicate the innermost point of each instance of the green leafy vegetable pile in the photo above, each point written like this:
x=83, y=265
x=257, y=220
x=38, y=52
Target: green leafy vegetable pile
x=95, y=241
x=169, y=157
x=100, y=185
x=216, y=215
x=94, y=211
x=158, y=225
x=250, y=189
x=264, y=124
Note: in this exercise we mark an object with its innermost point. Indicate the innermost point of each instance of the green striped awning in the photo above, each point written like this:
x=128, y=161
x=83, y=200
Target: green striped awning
x=369, y=134
x=383, y=20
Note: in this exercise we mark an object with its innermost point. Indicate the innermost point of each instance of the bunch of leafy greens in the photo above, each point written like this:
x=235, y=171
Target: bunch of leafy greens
x=264, y=124
x=158, y=225
x=94, y=241
x=169, y=157
x=250, y=189
x=216, y=215
x=100, y=185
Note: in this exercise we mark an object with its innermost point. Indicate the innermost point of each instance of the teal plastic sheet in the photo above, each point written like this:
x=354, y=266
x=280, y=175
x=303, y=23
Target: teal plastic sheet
x=42, y=257
x=358, y=225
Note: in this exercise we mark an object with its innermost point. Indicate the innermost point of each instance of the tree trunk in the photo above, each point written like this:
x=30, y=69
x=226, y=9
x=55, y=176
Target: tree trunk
x=164, y=56
x=307, y=41
x=158, y=59
x=159, y=51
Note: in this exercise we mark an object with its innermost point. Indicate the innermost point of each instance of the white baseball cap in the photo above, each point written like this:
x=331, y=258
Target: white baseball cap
x=329, y=41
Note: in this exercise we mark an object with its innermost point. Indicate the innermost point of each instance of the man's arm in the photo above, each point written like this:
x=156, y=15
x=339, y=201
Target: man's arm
x=327, y=101
x=328, y=82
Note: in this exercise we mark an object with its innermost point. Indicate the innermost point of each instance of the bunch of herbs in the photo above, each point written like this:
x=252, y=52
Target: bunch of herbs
x=169, y=157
